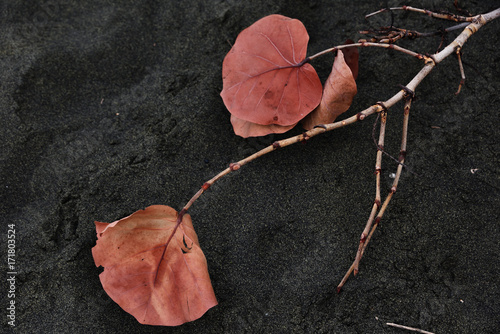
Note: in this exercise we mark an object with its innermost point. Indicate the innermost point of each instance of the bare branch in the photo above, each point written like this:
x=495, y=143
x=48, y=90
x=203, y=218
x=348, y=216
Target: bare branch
x=430, y=62
x=378, y=209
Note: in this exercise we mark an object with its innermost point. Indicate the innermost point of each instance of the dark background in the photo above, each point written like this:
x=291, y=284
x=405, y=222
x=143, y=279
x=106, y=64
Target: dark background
x=111, y=106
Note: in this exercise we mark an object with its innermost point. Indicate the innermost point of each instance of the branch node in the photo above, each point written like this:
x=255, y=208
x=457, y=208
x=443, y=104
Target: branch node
x=408, y=93
x=205, y=186
x=305, y=137
x=384, y=108
x=402, y=156
x=276, y=145
x=234, y=166
x=429, y=59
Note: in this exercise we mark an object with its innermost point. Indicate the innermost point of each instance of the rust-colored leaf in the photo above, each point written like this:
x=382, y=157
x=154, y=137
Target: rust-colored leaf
x=154, y=267
x=265, y=78
x=340, y=89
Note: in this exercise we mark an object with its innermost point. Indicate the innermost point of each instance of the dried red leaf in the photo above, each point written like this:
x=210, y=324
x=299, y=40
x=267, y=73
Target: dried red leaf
x=265, y=78
x=340, y=89
x=154, y=267
x=351, y=56
x=247, y=129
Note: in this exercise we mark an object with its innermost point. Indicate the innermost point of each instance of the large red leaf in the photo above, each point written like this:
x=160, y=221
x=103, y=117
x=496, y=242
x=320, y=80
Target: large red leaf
x=265, y=78
x=154, y=267
x=339, y=91
x=247, y=129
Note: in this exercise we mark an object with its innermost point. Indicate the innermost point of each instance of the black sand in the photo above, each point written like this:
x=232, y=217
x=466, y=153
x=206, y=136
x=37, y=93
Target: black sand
x=109, y=107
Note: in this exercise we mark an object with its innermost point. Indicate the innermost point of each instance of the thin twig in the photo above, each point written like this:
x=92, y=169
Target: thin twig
x=374, y=221
x=402, y=156
x=444, y=16
x=369, y=44
x=462, y=72
x=376, y=204
x=392, y=34
x=408, y=328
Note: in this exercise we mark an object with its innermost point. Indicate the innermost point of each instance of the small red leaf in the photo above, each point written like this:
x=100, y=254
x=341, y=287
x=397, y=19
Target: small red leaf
x=340, y=89
x=154, y=267
x=265, y=78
